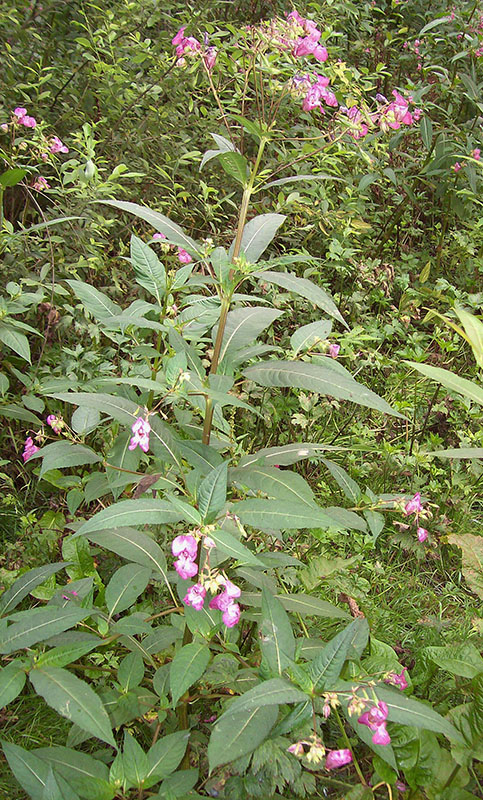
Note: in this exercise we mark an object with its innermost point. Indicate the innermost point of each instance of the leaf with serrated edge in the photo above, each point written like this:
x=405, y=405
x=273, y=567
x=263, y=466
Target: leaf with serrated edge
x=133, y=545
x=282, y=515
x=171, y=230
x=257, y=235
x=46, y=622
x=232, y=547
x=187, y=667
x=12, y=681
x=125, y=586
x=277, y=641
x=131, y=512
x=272, y=692
x=165, y=755
x=239, y=734
x=302, y=286
x=24, y=585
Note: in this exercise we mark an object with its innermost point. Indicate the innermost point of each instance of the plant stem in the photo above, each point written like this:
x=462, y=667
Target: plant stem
x=348, y=745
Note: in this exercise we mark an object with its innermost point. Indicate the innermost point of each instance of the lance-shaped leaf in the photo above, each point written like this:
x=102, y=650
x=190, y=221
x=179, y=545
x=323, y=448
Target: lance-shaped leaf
x=304, y=288
x=277, y=641
x=317, y=378
x=474, y=330
x=14, y=411
x=234, y=548
x=15, y=340
x=469, y=389
x=269, y=515
x=12, y=681
x=211, y=493
x=125, y=586
x=457, y=452
x=187, y=667
x=38, y=627
x=236, y=735
x=94, y=301
x=284, y=455
x=257, y=235
x=459, y=659
x=24, y=585
x=284, y=484
x=234, y=165
x=30, y=771
x=87, y=775
x=327, y=666
x=269, y=693
x=408, y=711
x=133, y=545
x=131, y=512
x=112, y=406
x=347, y=484
x=73, y=699
x=149, y=272
x=165, y=755
x=171, y=230
x=59, y=455
x=472, y=559
x=303, y=604
x=310, y=334
x=243, y=326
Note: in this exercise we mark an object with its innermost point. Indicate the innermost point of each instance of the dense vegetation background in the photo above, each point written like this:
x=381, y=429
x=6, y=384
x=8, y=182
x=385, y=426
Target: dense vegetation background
x=385, y=221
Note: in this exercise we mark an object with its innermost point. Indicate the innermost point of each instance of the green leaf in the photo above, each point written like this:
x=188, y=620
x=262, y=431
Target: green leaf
x=14, y=411
x=131, y=671
x=65, y=654
x=257, y=235
x=29, y=770
x=272, y=692
x=305, y=288
x=211, y=495
x=468, y=389
x=12, y=176
x=269, y=515
x=408, y=711
x=434, y=24
x=316, y=378
x=149, y=272
x=12, y=681
x=347, y=484
x=15, y=340
x=52, y=790
x=243, y=326
x=283, y=484
x=236, y=735
x=59, y=455
x=119, y=408
x=295, y=178
x=187, y=667
x=457, y=452
x=308, y=335
x=173, y=232
x=277, y=641
x=38, y=627
x=134, y=761
x=94, y=301
x=24, y=585
x=165, y=755
x=125, y=586
x=232, y=547
x=179, y=785
x=134, y=546
x=284, y=455
x=459, y=659
x=426, y=129
x=85, y=420
x=327, y=666
x=131, y=512
x=474, y=330
x=300, y=603
x=234, y=165
x=74, y=699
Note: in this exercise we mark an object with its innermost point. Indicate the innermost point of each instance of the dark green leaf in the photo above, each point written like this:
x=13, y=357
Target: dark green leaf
x=211, y=493
x=277, y=641
x=327, y=666
x=238, y=734
x=305, y=288
x=24, y=585
x=187, y=667
x=12, y=681
x=40, y=626
x=125, y=586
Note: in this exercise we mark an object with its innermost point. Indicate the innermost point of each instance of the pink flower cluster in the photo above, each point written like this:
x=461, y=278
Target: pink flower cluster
x=225, y=602
x=40, y=184
x=56, y=423
x=20, y=117
x=141, y=430
x=57, y=146
x=29, y=448
x=338, y=758
x=398, y=679
x=185, y=550
x=183, y=256
x=315, y=751
x=188, y=46
x=375, y=719
x=315, y=91
x=389, y=115
x=308, y=36
x=414, y=506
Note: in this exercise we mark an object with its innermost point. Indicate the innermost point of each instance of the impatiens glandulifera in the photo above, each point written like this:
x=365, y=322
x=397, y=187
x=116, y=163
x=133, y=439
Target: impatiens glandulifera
x=141, y=430
x=29, y=448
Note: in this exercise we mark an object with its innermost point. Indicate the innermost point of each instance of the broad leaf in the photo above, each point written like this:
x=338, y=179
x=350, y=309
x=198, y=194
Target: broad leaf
x=125, y=586
x=316, y=378
x=12, y=681
x=236, y=735
x=59, y=455
x=211, y=493
x=187, y=667
x=15, y=340
x=469, y=389
x=165, y=755
x=235, y=549
x=408, y=711
x=171, y=230
x=277, y=641
x=459, y=659
x=308, y=335
x=269, y=515
x=305, y=288
x=134, y=546
x=474, y=330
x=94, y=301
x=272, y=692
x=74, y=699
x=327, y=666
x=296, y=178
x=134, y=761
x=284, y=484
x=30, y=771
x=87, y=775
x=346, y=483
x=472, y=559
x=234, y=165
x=131, y=671
x=243, y=326
x=284, y=455
x=149, y=272
x=257, y=235
x=38, y=627
x=24, y=585
x=304, y=604
x=131, y=512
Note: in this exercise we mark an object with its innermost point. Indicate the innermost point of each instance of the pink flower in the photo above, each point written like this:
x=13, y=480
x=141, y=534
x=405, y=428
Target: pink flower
x=398, y=679
x=401, y=786
x=209, y=58
x=413, y=506
x=44, y=156
x=40, y=184
x=183, y=256
x=195, y=596
x=184, y=546
x=19, y=112
x=320, y=53
x=179, y=36
x=29, y=122
x=422, y=534
x=338, y=758
x=476, y=153
x=231, y=615
x=375, y=719
x=4, y=127
x=307, y=45
x=186, y=567
x=381, y=735
x=456, y=167
x=56, y=423
x=334, y=350
x=57, y=146
x=297, y=749
x=29, y=448
x=159, y=236
x=141, y=429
